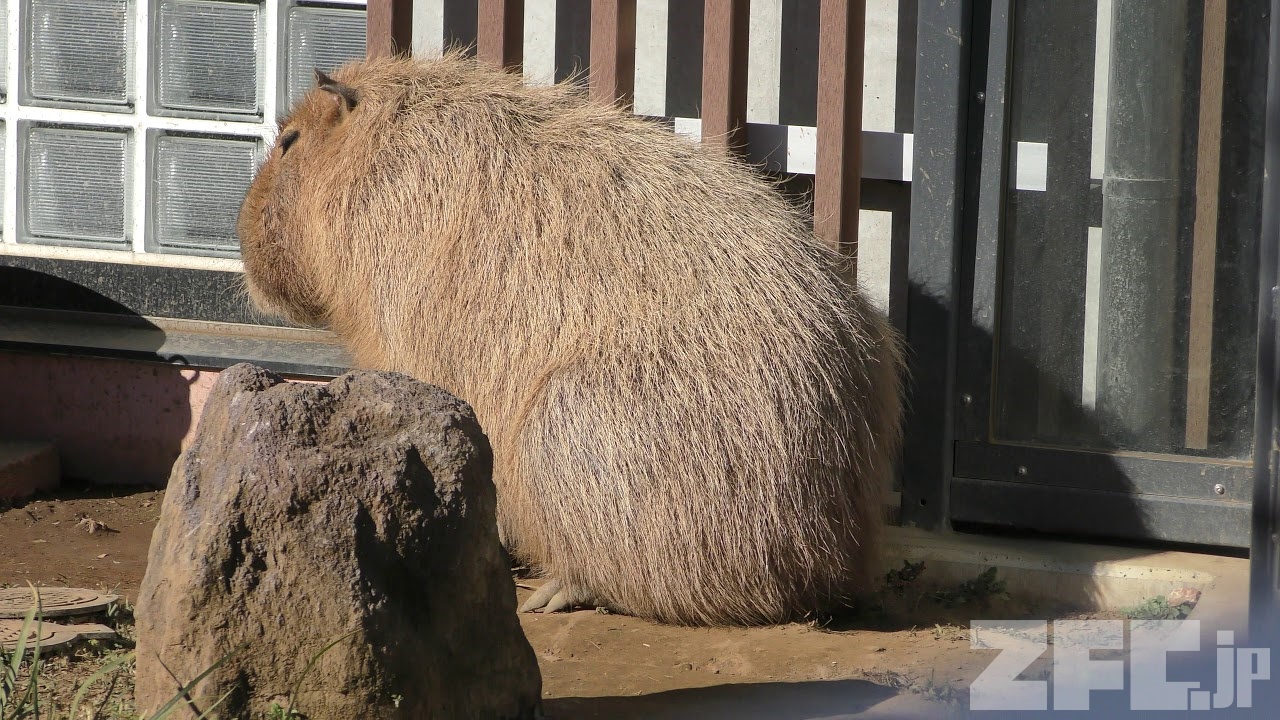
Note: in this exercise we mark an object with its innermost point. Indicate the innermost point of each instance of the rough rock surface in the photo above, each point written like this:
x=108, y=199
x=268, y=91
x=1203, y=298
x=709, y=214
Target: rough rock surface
x=301, y=513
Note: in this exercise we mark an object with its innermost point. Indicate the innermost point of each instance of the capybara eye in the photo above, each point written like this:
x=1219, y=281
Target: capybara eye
x=287, y=140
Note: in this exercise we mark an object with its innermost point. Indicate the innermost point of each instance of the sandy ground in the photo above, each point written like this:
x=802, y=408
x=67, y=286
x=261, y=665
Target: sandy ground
x=913, y=661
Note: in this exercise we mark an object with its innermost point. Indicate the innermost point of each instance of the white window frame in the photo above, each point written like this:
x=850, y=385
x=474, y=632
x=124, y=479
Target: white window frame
x=16, y=116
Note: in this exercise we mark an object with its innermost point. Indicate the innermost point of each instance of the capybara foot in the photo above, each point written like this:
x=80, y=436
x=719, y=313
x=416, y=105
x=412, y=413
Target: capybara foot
x=556, y=595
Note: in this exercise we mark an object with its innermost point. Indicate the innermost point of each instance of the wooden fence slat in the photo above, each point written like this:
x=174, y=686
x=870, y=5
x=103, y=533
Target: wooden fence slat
x=724, y=72
x=838, y=169
x=1205, y=236
x=388, y=27
x=500, y=33
x=613, y=51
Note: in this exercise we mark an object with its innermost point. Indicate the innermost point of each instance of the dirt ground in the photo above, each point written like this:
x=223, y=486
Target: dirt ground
x=914, y=660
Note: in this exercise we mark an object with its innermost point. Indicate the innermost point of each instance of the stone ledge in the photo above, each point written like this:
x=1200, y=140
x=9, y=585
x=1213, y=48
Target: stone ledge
x=27, y=467
x=1091, y=577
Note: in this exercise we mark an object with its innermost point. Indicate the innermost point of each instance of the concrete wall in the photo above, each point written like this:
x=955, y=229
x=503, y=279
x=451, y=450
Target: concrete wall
x=117, y=422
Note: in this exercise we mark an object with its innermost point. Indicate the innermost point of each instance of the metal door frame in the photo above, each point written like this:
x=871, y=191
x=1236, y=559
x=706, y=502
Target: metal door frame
x=1264, y=571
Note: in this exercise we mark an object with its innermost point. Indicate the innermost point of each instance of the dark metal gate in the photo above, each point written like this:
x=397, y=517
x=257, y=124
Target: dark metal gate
x=1083, y=285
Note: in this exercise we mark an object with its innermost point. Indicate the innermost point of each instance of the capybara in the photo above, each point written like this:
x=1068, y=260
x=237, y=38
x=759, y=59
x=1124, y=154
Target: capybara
x=694, y=413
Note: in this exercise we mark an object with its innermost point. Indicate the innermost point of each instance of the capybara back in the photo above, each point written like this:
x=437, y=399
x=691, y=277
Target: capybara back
x=694, y=413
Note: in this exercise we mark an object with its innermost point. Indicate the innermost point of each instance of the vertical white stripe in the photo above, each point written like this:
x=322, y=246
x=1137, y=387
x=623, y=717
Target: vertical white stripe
x=1097, y=167
x=802, y=149
x=11, y=127
x=908, y=156
x=540, y=41
x=764, y=62
x=1101, y=85
x=1031, y=162
x=651, y=58
x=880, y=87
x=138, y=204
x=688, y=127
x=272, y=30
x=1092, y=290
x=428, y=28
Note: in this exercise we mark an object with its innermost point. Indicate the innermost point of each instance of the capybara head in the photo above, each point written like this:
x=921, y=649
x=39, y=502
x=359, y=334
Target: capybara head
x=306, y=178
x=693, y=412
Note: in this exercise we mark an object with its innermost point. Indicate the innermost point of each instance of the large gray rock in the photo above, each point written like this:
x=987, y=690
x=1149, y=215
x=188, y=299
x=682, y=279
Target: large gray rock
x=303, y=512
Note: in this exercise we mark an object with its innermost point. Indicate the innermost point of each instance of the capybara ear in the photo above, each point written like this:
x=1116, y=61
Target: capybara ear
x=345, y=94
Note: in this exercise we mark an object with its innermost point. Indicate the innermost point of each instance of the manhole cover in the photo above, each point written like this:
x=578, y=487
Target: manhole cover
x=11, y=631
x=54, y=602
x=52, y=636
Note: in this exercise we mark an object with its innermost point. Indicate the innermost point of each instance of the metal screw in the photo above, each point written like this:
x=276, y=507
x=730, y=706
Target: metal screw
x=967, y=399
x=1220, y=489
x=1022, y=469
x=981, y=96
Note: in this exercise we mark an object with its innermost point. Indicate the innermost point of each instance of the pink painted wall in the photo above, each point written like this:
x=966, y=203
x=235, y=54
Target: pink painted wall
x=113, y=421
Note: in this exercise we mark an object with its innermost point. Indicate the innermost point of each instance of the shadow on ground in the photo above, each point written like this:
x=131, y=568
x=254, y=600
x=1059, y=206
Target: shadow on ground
x=830, y=699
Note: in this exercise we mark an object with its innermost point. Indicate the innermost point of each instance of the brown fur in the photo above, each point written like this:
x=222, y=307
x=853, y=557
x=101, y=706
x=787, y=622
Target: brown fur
x=694, y=416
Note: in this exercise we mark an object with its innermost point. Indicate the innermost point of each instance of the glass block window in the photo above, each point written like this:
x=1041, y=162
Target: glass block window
x=320, y=37
x=210, y=56
x=77, y=51
x=136, y=126
x=199, y=184
x=4, y=48
x=4, y=158
x=75, y=184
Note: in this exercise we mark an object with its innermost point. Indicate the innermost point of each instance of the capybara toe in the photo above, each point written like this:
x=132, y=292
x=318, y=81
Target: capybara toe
x=557, y=595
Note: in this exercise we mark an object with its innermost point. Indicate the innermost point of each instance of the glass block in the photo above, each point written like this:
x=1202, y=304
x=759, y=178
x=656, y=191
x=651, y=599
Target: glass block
x=4, y=49
x=75, y=184
x=200, y=183
x=78, y=50
x=323, y=38
x=209, y=56
x=4, y=161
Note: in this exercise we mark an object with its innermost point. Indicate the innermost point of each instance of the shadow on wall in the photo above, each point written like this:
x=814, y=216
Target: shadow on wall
x=113, y=421
x=1101, y=508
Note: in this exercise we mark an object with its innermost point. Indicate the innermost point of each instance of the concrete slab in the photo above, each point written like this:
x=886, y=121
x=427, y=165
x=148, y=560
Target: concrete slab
x=1090, y=577
x=1224, y=606
x=27, y=467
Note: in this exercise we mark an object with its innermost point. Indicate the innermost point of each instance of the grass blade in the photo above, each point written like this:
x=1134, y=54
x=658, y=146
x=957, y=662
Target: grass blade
x=186, y=689
x=33, y=683
x=23, y=704
x=15, y=661
x=106, y=697
x=8, y=682
x=94, y=678
x=214, y=706
x=293, y=694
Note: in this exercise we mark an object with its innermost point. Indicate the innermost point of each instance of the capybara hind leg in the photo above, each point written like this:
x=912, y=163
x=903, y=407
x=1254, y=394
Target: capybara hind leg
x=556, y=595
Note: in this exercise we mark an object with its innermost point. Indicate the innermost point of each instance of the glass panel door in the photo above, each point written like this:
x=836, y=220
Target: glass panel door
x=1114, y=266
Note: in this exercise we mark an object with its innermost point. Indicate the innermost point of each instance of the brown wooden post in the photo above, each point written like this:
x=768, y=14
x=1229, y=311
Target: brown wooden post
x=500, y=33
x=388, y=27
x=1204, y=243
x=613, y=51
x=838, y=170
x=724, y=72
